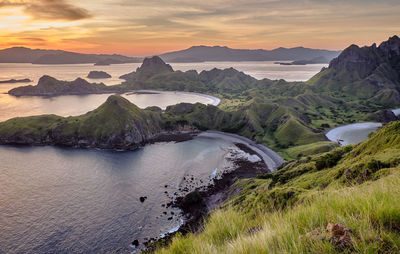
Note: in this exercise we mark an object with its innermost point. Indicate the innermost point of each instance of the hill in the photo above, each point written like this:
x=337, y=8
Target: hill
x=371, y=74
x=156, y=74
x=42, y=56
x=116, y=124
x=218, y=53
x=344, y=201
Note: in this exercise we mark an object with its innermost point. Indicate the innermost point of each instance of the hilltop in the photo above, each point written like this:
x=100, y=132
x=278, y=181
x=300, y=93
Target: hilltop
x=218, y=53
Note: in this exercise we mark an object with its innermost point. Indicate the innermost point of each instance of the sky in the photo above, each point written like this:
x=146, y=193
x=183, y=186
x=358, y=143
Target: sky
x=148, y=27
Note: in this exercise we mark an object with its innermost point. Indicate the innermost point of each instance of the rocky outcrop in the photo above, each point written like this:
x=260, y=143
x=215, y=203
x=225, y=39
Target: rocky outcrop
x=337, y=234
x=382, y=116
x=150, y=67
x=98, y=75
x=49, y=86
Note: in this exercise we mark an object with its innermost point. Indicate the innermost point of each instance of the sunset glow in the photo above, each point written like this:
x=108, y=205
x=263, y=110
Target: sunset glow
x=151, y=27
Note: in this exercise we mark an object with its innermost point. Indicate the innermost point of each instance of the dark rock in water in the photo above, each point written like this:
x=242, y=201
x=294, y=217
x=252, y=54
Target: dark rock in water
x=98, y=75
x=170, y=218
x=11, y=81
x=142, y=199
x=135, y=243
x=382, y=116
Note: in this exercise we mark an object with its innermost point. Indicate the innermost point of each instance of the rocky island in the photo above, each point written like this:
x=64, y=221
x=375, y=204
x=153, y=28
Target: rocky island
x=12, y=81
x=49, y=86
x=98, y=75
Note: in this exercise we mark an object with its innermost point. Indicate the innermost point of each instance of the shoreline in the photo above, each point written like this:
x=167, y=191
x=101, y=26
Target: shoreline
x=216, y=100
x=271, y=159
x=338, y=134
x=197, y=204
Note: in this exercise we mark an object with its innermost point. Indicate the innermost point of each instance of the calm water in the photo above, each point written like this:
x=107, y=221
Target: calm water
x=352, y=133
x=55, y=200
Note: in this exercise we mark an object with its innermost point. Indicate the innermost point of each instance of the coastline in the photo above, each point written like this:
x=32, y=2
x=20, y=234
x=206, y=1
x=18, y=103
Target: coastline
x=215, y=100
x=271, y=159
x=338, y=134
x=197, y=204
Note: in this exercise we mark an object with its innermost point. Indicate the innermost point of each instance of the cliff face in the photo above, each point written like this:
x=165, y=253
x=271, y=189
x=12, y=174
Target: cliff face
x=116, y=124
x=49, y=86
x=368, y=73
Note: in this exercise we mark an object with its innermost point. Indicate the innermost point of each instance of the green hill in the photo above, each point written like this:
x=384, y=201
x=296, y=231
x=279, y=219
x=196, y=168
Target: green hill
x=343, y=201
x=116, y=124
x=368, y=73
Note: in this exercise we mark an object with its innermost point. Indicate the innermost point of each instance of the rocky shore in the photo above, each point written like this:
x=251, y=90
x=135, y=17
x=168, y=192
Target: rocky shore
x=197, y=204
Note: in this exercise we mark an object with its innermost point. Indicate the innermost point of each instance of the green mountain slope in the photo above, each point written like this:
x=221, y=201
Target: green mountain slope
x=116, y=124
x=290, y=211
x=368, y=73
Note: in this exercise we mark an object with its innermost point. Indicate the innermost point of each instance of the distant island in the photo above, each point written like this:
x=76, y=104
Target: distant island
x=316, y=60
x=42, y=56
x=49, y=86
x=218, y=53
x=98, y=75
x=110, y=61
x=12, y=81
x=192, y=54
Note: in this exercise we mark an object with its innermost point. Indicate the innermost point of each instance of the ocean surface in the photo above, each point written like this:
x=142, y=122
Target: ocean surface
x=352, y=133
x=60, y=200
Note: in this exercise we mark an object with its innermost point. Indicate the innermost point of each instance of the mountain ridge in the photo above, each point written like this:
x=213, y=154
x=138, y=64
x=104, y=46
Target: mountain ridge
x=224, y=53
x=46, y=56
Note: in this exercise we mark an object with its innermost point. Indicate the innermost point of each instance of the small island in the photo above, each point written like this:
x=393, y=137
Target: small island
x=49, y=86
x=316, y=60
x=98, y=75
x=12, y=81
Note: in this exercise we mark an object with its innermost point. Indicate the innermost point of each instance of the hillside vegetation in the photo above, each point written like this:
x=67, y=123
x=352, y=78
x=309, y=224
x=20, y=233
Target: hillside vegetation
x=346, y=200
x=116, y=124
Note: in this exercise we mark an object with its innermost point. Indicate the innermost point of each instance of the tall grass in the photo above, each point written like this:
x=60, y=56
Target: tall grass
x=371, y=210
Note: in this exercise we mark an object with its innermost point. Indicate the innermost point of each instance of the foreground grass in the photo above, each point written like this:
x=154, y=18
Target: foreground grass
x=358, y=187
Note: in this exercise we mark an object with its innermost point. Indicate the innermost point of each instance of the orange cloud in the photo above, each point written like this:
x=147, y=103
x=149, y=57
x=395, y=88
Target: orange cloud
x=49, y=9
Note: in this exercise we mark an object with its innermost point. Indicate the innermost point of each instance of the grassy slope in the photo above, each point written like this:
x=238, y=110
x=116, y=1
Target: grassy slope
x=358, y=187
x=115, y=117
